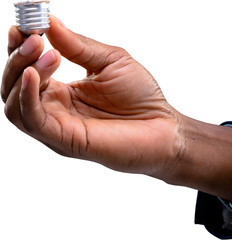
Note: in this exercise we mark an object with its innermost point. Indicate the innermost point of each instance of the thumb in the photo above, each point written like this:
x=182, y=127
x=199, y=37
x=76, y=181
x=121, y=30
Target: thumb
x=90, y=54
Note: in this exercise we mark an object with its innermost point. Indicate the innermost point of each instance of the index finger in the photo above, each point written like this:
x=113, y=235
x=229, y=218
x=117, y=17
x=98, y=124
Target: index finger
x=86, y=52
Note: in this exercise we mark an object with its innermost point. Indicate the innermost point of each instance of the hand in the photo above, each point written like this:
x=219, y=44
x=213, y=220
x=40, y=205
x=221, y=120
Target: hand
x=116, y=116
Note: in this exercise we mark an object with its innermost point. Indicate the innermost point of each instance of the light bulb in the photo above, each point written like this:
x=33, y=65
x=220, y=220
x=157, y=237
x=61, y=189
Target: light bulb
x=32, y=17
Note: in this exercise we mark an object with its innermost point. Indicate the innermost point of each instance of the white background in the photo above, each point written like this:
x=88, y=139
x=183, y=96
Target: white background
x=187, y=46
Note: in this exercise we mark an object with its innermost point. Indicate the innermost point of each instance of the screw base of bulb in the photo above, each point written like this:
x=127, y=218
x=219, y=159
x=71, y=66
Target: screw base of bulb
x=33, y=17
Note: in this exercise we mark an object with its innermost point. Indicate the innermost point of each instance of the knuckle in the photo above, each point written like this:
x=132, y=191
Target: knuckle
x=121, y=51
x=117, y=53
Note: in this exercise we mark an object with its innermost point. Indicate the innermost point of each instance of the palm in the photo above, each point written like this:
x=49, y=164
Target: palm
x=107, y=109
x=123, y=90
x=111, y=94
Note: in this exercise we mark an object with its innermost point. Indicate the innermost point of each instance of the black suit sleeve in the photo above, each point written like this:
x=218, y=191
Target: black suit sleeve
x=214, y=215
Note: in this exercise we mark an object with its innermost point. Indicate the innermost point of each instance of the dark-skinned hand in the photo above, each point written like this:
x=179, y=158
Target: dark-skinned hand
x=116, y=116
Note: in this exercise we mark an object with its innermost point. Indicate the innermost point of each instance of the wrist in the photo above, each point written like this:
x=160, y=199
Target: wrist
x=173, y=150
x=205, y=160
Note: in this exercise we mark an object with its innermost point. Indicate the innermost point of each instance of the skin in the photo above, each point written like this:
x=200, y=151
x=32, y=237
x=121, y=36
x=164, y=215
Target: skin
x=116, y=116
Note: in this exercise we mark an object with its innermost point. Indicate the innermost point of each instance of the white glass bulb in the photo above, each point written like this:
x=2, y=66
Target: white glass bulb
x=32, y=16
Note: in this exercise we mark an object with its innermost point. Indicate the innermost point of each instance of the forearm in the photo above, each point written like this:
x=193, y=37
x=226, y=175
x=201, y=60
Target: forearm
x=205, y=162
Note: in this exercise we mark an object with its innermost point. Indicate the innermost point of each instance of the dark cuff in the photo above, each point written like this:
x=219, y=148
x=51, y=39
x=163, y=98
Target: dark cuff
x=214, y=215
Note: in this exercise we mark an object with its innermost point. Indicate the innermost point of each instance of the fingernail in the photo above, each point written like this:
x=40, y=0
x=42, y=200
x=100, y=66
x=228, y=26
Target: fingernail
x=47, y=60
x=29, y=46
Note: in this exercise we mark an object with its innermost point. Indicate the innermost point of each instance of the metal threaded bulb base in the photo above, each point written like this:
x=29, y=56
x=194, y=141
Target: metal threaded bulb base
x=33, y=17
